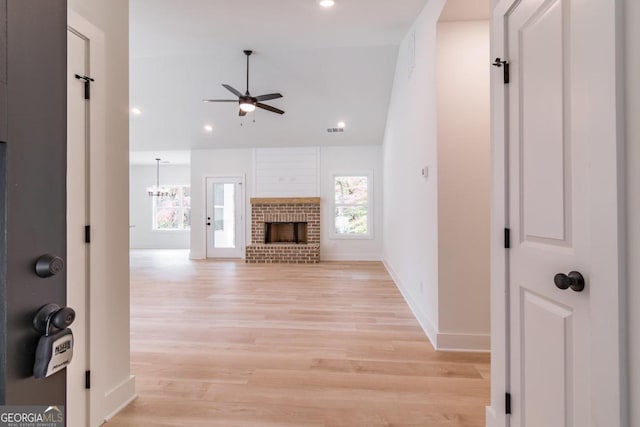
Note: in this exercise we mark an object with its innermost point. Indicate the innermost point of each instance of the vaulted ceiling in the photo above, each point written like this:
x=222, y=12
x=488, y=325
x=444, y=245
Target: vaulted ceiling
x=331, y=65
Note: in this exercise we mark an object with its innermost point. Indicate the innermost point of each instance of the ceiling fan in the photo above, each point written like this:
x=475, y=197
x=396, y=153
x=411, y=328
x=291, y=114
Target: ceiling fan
x=247, y=102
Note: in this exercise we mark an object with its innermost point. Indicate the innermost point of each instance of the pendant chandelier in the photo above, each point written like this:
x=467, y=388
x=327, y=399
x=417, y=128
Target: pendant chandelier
x=157, y=191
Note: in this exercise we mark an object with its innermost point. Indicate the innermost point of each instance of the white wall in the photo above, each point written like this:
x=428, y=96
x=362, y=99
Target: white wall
x=464, y=167
x=348, y=160
x=436, y=229
x=112, y=382
x=143, y=236
x=288, y=172
x=223, y=162
x=410, y=217
x=632, y=55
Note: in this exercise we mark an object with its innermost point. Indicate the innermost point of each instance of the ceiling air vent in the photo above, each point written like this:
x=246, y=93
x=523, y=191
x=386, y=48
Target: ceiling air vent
x=332, y=130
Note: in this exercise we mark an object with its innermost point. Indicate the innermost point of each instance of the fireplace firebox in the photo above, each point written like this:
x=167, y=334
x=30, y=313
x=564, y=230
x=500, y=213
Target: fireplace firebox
x=285, y=232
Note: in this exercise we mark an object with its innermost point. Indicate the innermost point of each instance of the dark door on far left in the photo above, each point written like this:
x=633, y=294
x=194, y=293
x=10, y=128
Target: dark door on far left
x=33, y=43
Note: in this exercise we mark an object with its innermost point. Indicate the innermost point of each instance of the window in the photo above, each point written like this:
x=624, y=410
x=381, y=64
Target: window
x=174, y=211
x=352, y=207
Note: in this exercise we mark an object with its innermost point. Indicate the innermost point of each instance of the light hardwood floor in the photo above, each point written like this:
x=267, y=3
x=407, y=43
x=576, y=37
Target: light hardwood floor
x=227, y=344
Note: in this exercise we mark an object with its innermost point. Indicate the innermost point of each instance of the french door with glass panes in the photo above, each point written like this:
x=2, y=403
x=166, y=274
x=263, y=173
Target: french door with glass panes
x=225, y=217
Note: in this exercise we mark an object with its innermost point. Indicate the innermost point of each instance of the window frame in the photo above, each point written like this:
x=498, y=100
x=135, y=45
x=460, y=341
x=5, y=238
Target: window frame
x=181, y=209
x=370, y=214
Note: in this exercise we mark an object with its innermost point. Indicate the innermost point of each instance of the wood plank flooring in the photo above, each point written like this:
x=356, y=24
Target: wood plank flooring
x=223, y=343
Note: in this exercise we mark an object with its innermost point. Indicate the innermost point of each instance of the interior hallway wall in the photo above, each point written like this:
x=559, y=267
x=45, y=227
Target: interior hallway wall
x=464, y=169
x=112, y=381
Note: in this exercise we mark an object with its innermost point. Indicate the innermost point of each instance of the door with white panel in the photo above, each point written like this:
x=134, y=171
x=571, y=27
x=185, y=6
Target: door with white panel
x=554, y=228
x=225, y=217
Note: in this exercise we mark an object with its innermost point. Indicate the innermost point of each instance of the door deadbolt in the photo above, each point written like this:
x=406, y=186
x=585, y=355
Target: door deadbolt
x=49, y=265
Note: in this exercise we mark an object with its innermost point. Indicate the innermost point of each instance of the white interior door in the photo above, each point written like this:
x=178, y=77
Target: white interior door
x=555, y=355
x=77, y=218
x=225, y=217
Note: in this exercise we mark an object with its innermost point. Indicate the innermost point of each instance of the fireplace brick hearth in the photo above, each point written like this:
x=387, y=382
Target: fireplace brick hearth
x=284, y=211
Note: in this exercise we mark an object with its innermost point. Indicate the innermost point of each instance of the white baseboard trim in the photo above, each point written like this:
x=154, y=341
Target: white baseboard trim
x=490, y=417
x=425, y=324
x=440, y=341
x=464, y=342
x=196, y=256
x=349, y=257
x=119, y=397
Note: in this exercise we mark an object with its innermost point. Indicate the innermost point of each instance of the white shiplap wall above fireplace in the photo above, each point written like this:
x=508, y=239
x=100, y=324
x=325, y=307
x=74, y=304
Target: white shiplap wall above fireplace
x=287, y=172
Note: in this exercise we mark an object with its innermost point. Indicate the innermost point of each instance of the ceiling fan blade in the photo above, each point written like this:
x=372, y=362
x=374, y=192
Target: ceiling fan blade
x=242, y=113
x=269, y=108
x=232, y=90
x=220, y=100
x=268, y=96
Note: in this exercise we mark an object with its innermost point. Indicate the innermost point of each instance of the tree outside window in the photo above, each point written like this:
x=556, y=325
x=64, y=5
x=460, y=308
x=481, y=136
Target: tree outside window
x=173, y=212
x=351, y=205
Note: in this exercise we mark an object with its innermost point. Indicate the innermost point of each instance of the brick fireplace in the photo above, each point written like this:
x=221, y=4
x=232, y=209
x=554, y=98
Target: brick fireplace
x=285, y=230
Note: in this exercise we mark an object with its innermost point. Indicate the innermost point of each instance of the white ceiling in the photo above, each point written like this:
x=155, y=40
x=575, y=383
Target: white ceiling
x=173, y=157
x=330, y=65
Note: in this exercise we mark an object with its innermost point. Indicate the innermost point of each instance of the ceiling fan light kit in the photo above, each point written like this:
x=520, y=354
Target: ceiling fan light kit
x=247, y=107
x=246, y=102
x=327, y=3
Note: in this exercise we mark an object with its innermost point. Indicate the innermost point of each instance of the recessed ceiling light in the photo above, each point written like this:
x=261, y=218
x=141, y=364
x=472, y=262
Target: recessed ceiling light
x=341, y=125
x=327, y=3
x=208, y=128
x=136, y=111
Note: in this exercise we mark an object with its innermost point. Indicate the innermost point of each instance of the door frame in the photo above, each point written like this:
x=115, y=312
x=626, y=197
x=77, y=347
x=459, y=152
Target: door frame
x=243, y=213
x=97, y=268
x=78, y=291
x=609, y=399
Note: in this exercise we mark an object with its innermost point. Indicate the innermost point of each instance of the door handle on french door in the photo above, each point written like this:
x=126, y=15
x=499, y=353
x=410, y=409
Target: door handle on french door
x=573, y=280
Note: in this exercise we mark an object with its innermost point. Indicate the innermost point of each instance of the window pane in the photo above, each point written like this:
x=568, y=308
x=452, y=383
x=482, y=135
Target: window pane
x=167, y=219
x=186, y=197
x=351, y=190
x=173, y=212
x=186, y=219
x=218, y=194
x=351, y=220
x=218, y=219
x=170, y=201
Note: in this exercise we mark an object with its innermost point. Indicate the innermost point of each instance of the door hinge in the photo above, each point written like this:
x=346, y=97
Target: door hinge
x=87, y=380
x=507, y=238
x=87, y=234
x=87, y=85
x=505, y=69
x=507, y=403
